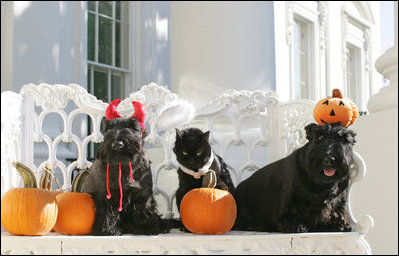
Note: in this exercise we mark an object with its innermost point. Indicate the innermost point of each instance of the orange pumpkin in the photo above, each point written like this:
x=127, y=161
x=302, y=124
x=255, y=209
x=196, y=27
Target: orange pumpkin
x=30, y=210
x=76, y=210
x=208, y=211
x=76, y=213
x=336, y=109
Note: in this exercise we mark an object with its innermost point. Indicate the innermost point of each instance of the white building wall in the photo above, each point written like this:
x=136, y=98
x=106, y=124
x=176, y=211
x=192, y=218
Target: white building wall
x=334, y=49
x=6, y=45
x=150, y=44
x=377, y=194
x=216, y=46
x=332, y=60
x=377, y=135
x=48, y=41
x=45, y=42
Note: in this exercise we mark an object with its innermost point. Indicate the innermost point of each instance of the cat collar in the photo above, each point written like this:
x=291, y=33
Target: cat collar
x=201, y=171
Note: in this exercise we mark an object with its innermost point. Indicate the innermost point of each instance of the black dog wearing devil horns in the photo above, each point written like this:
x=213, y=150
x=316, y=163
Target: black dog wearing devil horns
x=120, y=180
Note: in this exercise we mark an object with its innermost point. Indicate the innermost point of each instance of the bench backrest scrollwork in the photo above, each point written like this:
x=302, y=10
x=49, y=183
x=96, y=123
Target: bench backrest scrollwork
x=248, y=128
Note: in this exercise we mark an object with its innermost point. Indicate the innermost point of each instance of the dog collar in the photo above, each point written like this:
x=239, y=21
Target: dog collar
x=120, y=183
x=201, y=171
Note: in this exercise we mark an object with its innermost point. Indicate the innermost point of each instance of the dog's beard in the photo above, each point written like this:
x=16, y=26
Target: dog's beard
x=322, y=173
x=126, y=154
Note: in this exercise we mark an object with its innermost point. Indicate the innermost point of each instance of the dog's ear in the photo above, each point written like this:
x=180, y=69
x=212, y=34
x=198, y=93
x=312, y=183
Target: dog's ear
x=132, y=123
x=311, y=131
x=145, y=133
x=105, y=125
x=206, y=135
x=178, y=134
x=348, y=135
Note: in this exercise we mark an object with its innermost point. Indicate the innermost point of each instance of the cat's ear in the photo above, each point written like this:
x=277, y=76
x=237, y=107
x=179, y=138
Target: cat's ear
x=178, y=134
x=206, y=135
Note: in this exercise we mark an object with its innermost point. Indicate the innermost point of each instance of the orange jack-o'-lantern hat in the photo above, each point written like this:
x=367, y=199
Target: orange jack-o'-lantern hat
x=336, y=110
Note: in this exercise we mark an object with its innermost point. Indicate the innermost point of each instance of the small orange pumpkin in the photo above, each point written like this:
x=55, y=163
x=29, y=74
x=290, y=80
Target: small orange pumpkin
x=208, y=211
x=76, y=213
x=29, y=211
x=76, y=210
x=336, y=109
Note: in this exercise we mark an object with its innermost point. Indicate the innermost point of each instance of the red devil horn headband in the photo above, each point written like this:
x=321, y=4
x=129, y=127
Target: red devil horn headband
x=112, y=112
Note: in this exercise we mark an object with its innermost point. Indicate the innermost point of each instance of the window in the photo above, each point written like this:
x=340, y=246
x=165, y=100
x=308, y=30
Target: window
x=357, y=36
x=352, y=73
x=107, y=48
x=305, y=38
x=107, y=52
x=301, y=59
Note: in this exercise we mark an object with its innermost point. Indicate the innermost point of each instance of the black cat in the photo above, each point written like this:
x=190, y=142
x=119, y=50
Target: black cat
x=195, y=156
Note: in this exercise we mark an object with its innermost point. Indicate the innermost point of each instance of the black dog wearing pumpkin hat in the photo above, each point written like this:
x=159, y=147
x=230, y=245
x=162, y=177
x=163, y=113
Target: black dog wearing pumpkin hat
x=304, y=192
x=120, y=180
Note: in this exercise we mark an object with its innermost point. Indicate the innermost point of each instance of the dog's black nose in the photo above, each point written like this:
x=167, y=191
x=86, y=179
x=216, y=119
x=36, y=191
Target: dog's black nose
x=117, y=145
x=328, y=160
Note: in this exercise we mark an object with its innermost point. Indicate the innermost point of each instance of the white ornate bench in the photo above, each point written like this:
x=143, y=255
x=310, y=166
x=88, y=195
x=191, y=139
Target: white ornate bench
x=248, y=128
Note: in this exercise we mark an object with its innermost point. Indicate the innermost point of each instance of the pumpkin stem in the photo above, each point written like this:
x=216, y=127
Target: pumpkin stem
x=58, y=183
x=337, y=93
x=27, y=175
x=78, y=180
x=209, y=180
x=46, y=179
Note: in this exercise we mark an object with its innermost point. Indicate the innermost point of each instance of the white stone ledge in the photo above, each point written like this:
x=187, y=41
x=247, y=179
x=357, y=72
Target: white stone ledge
x=176, y=242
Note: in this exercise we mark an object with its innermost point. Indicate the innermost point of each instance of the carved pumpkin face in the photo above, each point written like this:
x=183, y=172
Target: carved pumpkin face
x=335, y=109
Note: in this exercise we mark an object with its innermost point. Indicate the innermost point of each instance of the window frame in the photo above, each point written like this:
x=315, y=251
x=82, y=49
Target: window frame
x=355, y=34
x=357, y=74
x=125, y=69
x=308, y=58
x=125, y=66
x=308, y=12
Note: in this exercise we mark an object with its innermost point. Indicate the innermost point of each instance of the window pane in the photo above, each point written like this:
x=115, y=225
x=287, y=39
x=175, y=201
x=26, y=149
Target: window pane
x=116, y=89
x=105, y=40
x=91, y=5
x=105, y=7
x=296, y=61
x=118, y=10
x=100, y=85
x=352, y=74
x=117, y=44
x=301, y=61
x=90, y=36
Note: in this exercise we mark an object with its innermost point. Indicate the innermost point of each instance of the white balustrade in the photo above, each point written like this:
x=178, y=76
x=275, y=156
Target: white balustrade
x=253, y=122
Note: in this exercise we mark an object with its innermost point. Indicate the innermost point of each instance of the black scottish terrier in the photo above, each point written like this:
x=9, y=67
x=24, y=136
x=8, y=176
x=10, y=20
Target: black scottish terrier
x=304, y=192
x=120, y=182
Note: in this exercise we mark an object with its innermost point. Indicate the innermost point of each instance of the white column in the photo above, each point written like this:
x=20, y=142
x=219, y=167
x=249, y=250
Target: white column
x=387, y=65
x=7, y=45
x=377, y=143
